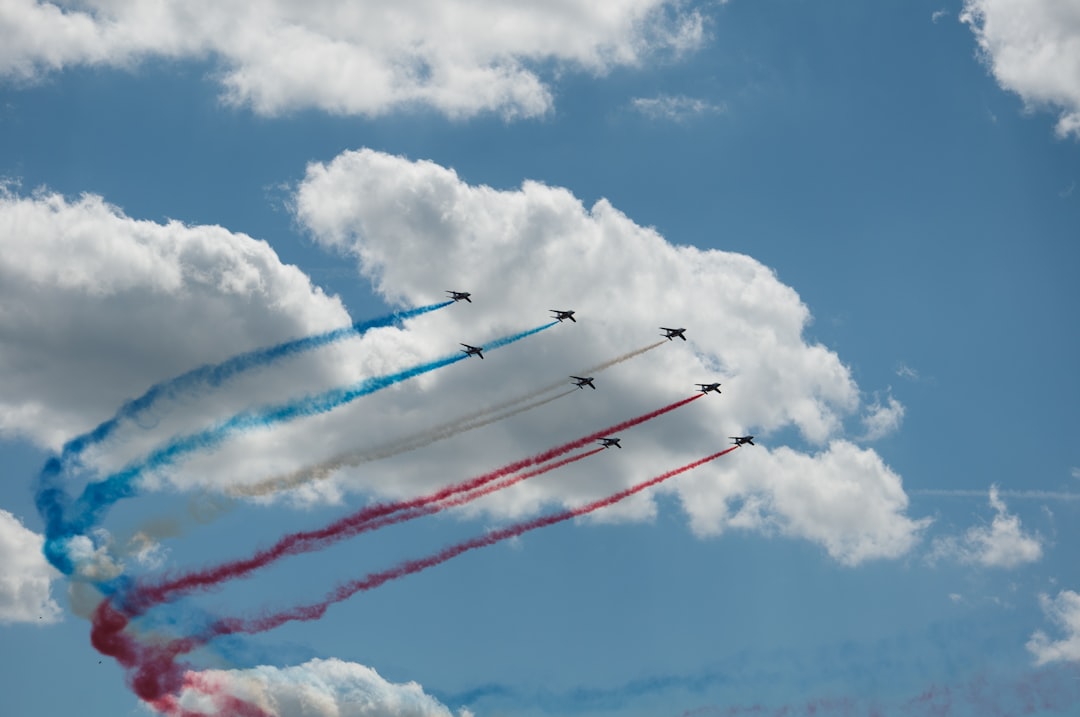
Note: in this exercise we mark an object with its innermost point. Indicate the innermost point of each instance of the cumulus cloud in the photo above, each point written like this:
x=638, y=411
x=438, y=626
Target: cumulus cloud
x=26, y=578
x=844, y=499
x=100, y=305
x=1064, y=612
x=1033, y=49
x=319, y=688
x=527, y=250
x=461, y=57
x=881, y=419
x=96, y=306
x=1002, y=544
x=677, y=108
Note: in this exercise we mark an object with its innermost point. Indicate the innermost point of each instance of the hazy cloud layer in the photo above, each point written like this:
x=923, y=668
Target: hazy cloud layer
x=1002, y=544
x=26, y=578
x=319, y=688
x=461, y=57
x=1064, y=612
x=1033, y=49
x=525, y=251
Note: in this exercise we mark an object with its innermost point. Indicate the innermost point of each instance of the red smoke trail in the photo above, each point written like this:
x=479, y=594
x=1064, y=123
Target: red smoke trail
x=156, y=677
x=455, y=501
x=154, y=673
x=347, y=590
x=224, y=703
x=144, y=597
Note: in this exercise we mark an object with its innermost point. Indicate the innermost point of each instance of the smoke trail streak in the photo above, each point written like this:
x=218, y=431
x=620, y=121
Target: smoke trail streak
x=213, y=375
x=154, y=671
x=159, y=529
x=443, y=431
x=326, y=469
x=98, y=497
x=343, y=592
x=440, y=432
x=295, y=543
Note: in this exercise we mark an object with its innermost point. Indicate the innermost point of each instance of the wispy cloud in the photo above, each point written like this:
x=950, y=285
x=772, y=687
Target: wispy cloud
x=1064, y=611
x=881, y=419
x=938, y=14
x=678, y=108
x=1002, y=544
x=905, y=371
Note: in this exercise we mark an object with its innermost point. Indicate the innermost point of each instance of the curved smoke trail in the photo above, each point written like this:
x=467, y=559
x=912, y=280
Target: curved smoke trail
x=142, y=597
x=213, y=375
x=65, y=520
x=154, y=672
x=345, y=591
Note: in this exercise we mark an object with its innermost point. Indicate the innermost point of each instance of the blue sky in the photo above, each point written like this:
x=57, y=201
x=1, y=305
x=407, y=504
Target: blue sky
x=867, y=224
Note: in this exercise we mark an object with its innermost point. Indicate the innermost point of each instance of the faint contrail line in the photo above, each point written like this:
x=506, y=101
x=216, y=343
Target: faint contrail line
x=1021, y=494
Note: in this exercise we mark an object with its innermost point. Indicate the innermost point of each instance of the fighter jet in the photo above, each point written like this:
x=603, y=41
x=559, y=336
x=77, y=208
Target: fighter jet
x=670, y=334
x=706, y=387
x=581, y=382
x=459, y=295
x=471, y=350
x=560, y=315
x=739, y=440
x=609, y=442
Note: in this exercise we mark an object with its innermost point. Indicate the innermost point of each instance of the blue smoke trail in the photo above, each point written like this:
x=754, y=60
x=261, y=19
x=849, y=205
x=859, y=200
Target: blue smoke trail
x=213, y=375
x=65, y=520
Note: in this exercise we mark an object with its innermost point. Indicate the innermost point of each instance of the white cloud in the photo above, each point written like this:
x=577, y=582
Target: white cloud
x=26, y=578
x=882, y=419
x=524, y=251
x=319, y=688
x=905, y=371
x=938, y=14
x=1033, y=49
x=96, y=306
x=1002, y=544
x=674, y=108
x=459, y=56
x=844, y=499
x=1063, y=611
x=1075, y=473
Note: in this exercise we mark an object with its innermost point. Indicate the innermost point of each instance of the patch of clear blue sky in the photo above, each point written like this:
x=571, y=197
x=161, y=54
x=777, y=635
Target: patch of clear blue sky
x=866, y=156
